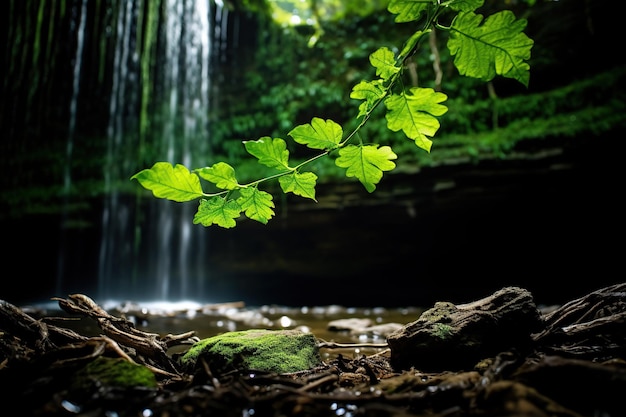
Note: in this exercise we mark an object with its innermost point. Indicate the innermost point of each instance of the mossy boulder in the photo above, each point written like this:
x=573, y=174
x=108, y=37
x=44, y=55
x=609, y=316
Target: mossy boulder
x=280, y=351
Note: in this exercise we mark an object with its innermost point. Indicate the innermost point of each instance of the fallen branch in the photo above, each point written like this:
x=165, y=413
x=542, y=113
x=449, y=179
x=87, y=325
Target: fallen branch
x=122, y=331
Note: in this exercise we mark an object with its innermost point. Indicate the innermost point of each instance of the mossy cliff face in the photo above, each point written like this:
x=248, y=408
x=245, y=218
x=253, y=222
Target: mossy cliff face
x=280, y=351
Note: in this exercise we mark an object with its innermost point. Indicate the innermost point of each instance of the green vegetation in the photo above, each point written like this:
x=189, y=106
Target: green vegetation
x=442, y=331
x=279, y=351
x=271, y=81
x=114, y=372
x=483, y=48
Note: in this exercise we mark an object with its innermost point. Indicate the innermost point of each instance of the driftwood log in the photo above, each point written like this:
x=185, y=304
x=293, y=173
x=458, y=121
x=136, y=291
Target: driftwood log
x=593, y=326
x=456, y=337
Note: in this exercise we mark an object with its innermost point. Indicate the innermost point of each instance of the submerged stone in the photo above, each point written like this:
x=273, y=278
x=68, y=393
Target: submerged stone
x=280, y=351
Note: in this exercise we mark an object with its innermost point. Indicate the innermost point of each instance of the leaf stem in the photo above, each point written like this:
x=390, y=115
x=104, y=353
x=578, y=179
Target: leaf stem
x=280, y=174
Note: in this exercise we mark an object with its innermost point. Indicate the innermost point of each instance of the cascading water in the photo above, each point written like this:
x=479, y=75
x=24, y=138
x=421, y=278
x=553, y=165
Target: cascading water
x=80, y=22
x=186, y=81
x=159, y=110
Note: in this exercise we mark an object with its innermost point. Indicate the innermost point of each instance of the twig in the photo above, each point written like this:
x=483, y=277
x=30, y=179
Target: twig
x=334, y=345
x=322, y=381
x=122, y=331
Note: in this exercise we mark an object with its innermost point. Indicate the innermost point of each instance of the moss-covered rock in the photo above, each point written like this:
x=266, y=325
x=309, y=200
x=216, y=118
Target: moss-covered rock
x=114, y=372
x=279, y=351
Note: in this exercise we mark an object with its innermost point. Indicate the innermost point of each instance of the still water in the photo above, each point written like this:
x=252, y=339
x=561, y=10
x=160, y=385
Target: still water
x=332, y=323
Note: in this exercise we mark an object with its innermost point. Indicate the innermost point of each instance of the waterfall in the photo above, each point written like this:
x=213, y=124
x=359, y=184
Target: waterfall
x=71, y=131
x=150, y=248
x=186, y=87
x=116, y=259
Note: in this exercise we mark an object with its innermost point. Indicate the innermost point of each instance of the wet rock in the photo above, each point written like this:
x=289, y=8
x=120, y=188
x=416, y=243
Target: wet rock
x=351, y=324
x=455, y=337
x=379, y=330
x=280, y=351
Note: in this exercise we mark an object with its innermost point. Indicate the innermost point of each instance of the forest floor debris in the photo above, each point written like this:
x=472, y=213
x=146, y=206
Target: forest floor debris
x=573, y=366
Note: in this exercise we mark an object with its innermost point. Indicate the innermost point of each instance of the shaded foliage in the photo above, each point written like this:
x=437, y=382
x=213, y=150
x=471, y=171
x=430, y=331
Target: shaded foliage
x=293, y=82
x=270, y=79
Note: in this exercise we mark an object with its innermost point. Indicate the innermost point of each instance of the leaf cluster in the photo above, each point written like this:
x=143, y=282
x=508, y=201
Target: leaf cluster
x=482, y=49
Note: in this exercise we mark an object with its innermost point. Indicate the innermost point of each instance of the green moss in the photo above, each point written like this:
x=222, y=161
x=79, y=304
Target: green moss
x=442, y=331
x=439, y=313
x=115, y=372
x=280, y=351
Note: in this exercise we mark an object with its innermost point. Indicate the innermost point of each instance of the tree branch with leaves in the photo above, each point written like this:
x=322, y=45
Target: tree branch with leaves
x=483, y=48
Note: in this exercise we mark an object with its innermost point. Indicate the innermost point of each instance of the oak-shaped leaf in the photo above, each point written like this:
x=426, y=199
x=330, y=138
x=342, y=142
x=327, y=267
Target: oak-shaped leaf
x=465, y=5
x=371, y=92
x=366, y=163
x=408, y=10
x=270, y=152
x=299, y=183
x=221, y=174
x=496, y=46
x=256, y=204
x=174, y=183
x=385, y=63
x=319, y=134
x=217, y=210
x=414, y=113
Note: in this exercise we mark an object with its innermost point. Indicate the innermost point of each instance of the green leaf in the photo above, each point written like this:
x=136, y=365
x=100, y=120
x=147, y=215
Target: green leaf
x=270, y=152
x=319, y=134
x=174, y=183
x=366, y=163
x=497, y=47
x=414, y=113
x=385, y=63
x=257, y=204
x=465, y=5
x=411, y=43
x=408, y=10
x=219, y=211
x=220, y=174
x=302, y=184
x=371, y=92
